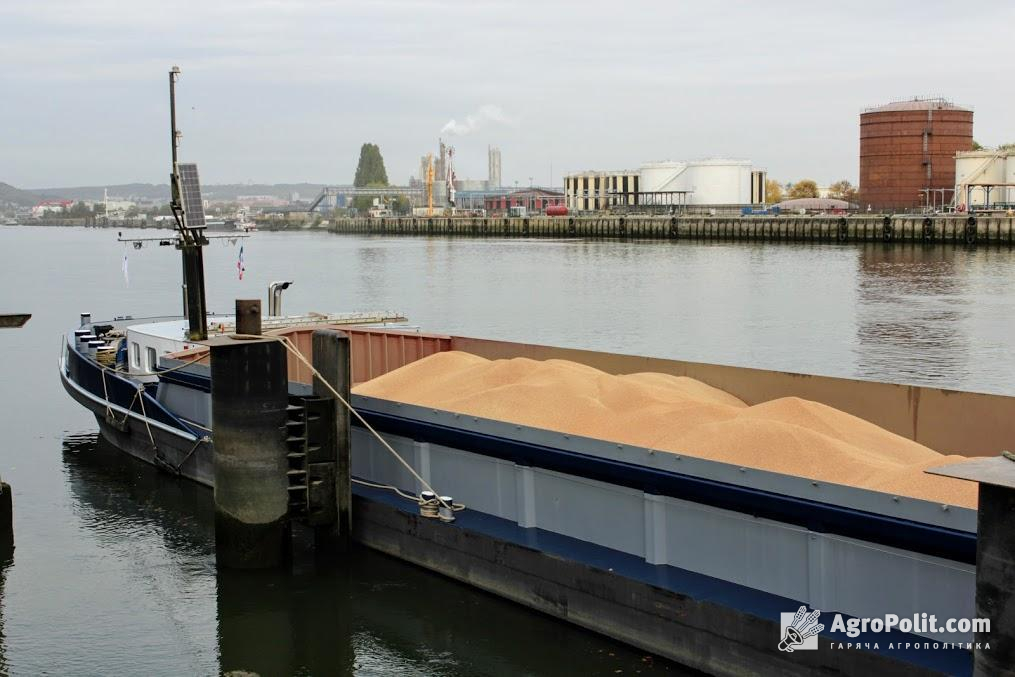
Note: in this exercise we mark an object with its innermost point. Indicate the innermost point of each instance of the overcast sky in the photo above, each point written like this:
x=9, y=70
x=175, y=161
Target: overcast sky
x=287, y=90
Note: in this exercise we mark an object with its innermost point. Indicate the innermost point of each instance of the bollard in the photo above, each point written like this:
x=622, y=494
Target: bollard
x=6, y=523
x=995, y=559
x=248, y=317
x=249, y=397
x=332, y=360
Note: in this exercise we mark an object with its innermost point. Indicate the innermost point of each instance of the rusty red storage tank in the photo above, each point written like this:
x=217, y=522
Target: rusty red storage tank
x=556, y=210
x=907, y=148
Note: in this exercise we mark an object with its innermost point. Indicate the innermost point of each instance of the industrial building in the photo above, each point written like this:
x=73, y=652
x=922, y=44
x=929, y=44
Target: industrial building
x=668, y=184
x=591, y=191
x=472, y=191
x=907, y=152
x=985, y=179
x=533, y=200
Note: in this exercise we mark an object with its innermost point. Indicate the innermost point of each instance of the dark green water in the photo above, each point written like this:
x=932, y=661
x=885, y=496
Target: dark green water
x=114, y=570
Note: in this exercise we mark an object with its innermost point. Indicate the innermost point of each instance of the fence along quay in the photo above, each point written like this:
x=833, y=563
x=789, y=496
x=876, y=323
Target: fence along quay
x=938, y=229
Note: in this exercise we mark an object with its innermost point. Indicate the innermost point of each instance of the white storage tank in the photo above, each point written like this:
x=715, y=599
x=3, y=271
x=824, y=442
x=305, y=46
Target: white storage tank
x=710, y=182
x=984, y=166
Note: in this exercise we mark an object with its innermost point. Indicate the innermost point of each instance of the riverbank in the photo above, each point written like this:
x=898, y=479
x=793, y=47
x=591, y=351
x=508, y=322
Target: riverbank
x=933, y=229
x=961, y=230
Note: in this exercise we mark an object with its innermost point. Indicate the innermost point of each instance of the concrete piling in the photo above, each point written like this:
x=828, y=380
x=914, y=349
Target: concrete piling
x=994, y=649
x=249, y=397
x=331, y=358
x=6, y=523
x=940, y=229
x=995, y=579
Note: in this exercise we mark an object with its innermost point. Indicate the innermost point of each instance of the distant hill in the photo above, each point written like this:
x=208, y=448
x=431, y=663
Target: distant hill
x=160, y=192
x=24, y=198
x=139, y=191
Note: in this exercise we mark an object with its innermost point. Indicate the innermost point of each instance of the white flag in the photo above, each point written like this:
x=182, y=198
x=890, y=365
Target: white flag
x=126, y=275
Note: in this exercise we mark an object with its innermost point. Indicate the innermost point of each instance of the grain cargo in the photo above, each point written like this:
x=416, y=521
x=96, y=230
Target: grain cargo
x=676, y=414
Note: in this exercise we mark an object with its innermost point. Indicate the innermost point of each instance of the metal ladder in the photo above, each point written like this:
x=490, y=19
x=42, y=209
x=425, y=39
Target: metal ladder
x=310, y=442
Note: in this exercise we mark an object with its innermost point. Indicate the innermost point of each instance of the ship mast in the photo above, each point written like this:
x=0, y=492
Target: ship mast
x=192, y=238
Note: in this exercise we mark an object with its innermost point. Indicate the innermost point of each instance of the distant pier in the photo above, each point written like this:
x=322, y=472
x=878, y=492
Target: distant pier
x=936, y=229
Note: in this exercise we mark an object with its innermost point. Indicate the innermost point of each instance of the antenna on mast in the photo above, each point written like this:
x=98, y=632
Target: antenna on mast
x=188, y=211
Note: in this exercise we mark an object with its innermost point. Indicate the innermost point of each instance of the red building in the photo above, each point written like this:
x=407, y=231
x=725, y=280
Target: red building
x=533, y=199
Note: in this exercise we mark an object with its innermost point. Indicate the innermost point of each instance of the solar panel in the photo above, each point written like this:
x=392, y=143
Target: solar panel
x=193, y=205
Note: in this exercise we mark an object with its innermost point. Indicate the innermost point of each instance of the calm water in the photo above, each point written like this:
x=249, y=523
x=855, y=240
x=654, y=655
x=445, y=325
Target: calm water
x=114, y=571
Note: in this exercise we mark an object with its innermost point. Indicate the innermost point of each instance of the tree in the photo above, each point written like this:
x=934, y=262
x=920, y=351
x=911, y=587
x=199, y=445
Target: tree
x=79, y=210
x=842, y=190
x=803, y=188
x=773, y=191
x=370, y=170
x=401, y=205
x=976, y=145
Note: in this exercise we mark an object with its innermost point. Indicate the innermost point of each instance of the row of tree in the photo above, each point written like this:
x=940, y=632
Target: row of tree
x=776, y=192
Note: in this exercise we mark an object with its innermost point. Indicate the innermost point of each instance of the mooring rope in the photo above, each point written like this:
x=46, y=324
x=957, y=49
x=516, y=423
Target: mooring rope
x=429, y=505
x=287, y=342
x=139, y=394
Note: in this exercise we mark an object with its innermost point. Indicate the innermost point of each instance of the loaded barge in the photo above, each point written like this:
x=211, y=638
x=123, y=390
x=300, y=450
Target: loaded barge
x=691, y=559
x=719, y=566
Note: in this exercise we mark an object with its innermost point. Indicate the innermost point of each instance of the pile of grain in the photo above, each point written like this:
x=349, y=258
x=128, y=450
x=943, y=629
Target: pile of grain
x=676, y=414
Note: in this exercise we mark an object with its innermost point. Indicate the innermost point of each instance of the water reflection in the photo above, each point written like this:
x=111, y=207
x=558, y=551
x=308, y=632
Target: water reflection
x=370, y=615
x=911, y=320
x=4, y=668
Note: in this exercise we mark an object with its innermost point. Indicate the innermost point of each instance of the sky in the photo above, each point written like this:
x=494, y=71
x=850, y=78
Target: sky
x=277, y=91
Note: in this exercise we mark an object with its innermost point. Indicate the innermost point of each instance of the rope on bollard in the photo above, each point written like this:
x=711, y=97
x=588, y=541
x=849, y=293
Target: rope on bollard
x=424, y=504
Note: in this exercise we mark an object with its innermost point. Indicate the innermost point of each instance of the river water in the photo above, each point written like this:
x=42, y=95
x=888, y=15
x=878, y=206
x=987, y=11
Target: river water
x=114, y=569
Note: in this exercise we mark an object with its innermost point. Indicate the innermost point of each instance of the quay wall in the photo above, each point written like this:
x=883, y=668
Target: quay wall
x=964, y=230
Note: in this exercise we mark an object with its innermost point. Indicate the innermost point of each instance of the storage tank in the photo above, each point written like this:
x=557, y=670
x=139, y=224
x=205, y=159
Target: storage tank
x=712, y=182
x=657, y=176
x=984, y=167
x=907, y=147
x=556, y=210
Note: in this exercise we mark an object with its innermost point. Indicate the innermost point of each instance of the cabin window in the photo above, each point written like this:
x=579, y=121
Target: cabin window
x=135, y=355
x=152, y=358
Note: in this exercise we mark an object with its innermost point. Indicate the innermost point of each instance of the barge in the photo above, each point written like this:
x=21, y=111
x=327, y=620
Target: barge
x=722, y=567
x=691, y=559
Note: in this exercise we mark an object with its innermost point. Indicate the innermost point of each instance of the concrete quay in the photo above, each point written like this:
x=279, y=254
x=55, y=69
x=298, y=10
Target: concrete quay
x=908, y=228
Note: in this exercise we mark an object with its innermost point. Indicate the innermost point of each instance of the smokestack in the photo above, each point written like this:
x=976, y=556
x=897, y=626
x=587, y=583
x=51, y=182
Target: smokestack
x=493, y=162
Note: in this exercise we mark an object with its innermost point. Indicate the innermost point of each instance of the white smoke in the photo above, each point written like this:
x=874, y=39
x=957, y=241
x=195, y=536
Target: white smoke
x=487, y=113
